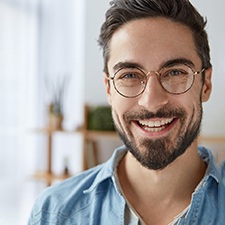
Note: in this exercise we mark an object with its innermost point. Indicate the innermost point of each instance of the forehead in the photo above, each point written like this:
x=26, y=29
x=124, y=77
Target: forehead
x=152, y=41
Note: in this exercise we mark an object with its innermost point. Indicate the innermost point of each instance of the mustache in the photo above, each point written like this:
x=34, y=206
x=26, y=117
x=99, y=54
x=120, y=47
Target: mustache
x=166, y=112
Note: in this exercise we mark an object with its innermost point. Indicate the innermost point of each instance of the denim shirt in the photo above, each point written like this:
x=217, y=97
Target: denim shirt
x=92, y=198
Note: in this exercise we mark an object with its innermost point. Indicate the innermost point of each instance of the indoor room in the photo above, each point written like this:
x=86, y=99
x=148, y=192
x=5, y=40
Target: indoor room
x=55, y=120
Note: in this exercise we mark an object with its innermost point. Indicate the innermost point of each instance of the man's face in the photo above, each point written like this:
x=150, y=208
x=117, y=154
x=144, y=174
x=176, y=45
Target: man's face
x=156, y=126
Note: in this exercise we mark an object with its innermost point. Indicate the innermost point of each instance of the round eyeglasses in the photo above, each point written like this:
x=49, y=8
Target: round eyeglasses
x=175, y=79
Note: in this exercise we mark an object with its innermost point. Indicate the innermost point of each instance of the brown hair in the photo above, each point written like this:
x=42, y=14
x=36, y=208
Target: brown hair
x=181, y=11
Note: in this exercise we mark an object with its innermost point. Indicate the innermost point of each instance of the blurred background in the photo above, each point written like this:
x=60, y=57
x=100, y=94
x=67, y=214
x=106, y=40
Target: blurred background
x=51, y=78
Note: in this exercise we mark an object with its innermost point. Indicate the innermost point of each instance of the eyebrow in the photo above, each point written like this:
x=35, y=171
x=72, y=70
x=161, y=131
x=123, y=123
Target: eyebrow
x=177, y=61
x=169, y=63
x=123, y=65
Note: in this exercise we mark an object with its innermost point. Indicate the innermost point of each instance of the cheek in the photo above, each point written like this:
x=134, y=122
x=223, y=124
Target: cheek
x=120, y=106
x=118, y=102
x=192, y=97
x=192, y=105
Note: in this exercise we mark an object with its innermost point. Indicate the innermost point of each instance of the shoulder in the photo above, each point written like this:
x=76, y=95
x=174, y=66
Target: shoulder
x=72, y=187
x=62, y=200
x=77, y=197
x=214, y=171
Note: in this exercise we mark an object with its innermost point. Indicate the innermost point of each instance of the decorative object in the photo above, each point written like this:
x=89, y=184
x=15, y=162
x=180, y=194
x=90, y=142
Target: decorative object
x=100, y=118
x=56, y=89
x=55, y=119
x=66, y=172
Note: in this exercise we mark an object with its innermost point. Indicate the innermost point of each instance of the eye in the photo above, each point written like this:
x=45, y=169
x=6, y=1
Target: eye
x=174, y=72
x=131, y=75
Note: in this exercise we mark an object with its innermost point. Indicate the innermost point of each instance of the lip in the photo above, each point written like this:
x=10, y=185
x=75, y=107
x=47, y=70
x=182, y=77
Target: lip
x=155, y=128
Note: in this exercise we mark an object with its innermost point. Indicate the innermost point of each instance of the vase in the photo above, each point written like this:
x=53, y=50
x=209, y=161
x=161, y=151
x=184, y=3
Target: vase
x=55, y=121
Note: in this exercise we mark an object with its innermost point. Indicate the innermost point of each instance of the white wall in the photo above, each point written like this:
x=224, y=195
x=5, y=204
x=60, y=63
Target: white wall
x=62, y=55
x=214, y=122
x=214, y=110
x=94, y=86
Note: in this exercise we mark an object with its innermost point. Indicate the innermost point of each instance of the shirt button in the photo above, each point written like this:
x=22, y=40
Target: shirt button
x=204, y=183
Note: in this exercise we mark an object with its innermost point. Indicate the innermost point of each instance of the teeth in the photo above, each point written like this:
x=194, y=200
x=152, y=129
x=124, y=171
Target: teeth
x=154, y=129
x=155, y=124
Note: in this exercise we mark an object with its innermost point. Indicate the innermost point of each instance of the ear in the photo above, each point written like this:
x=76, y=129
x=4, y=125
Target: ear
x=107, y=85
x=207, y=85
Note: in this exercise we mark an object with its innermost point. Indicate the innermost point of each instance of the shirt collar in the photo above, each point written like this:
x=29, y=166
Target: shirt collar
x=108, y=169
x=212, y=170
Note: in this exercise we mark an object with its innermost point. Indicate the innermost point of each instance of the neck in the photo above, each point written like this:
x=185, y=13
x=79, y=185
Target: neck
x=159, y=196
x=174, y=181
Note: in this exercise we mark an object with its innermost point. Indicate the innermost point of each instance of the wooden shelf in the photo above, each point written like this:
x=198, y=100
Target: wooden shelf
x=95, y=134
x=49, y=177
x=90, y=138
x=88, y=133
x=212, y=139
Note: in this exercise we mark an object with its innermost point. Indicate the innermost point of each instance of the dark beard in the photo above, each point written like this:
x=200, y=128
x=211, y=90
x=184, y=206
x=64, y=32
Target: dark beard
x=159, y=153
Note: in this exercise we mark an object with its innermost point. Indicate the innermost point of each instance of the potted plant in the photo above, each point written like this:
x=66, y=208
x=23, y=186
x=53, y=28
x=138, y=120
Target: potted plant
x=56, y=88
x=55, y=116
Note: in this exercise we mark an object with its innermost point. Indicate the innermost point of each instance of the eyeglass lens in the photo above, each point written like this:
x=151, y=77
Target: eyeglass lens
x=131, y=82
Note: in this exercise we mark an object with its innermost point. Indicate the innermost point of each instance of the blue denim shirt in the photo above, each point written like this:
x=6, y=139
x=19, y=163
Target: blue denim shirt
x=92, y=198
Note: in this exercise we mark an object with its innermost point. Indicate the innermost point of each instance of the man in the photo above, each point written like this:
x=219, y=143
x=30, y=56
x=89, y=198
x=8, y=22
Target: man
x=157, y=74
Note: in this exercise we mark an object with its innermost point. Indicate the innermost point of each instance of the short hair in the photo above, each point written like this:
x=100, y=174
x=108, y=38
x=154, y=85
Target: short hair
x=181, y=11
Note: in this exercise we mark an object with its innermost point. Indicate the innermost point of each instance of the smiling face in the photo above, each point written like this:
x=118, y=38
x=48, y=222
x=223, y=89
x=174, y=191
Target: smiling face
x=156, y=126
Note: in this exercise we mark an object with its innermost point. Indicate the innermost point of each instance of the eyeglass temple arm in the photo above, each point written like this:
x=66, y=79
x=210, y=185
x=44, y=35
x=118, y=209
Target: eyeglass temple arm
x=108, y=77
x=198, y=72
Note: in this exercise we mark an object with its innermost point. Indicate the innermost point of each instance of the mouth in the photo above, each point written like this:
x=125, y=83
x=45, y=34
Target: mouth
x=156, y=125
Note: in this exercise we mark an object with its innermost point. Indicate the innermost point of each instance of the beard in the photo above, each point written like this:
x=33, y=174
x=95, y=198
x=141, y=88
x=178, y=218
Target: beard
x=156, y=154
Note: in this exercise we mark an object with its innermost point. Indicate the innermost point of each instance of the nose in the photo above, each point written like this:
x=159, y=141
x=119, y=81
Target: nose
x=154, y=96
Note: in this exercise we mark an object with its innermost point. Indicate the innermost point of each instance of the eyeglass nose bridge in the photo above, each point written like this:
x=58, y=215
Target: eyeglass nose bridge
x=148, y=74
x=154, y=72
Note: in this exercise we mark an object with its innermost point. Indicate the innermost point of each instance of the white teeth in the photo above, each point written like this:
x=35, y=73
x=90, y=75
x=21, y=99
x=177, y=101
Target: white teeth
x=155, y=124
x=154, y=129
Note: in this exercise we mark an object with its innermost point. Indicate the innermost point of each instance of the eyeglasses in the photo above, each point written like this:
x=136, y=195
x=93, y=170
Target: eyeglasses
x=175, y=79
